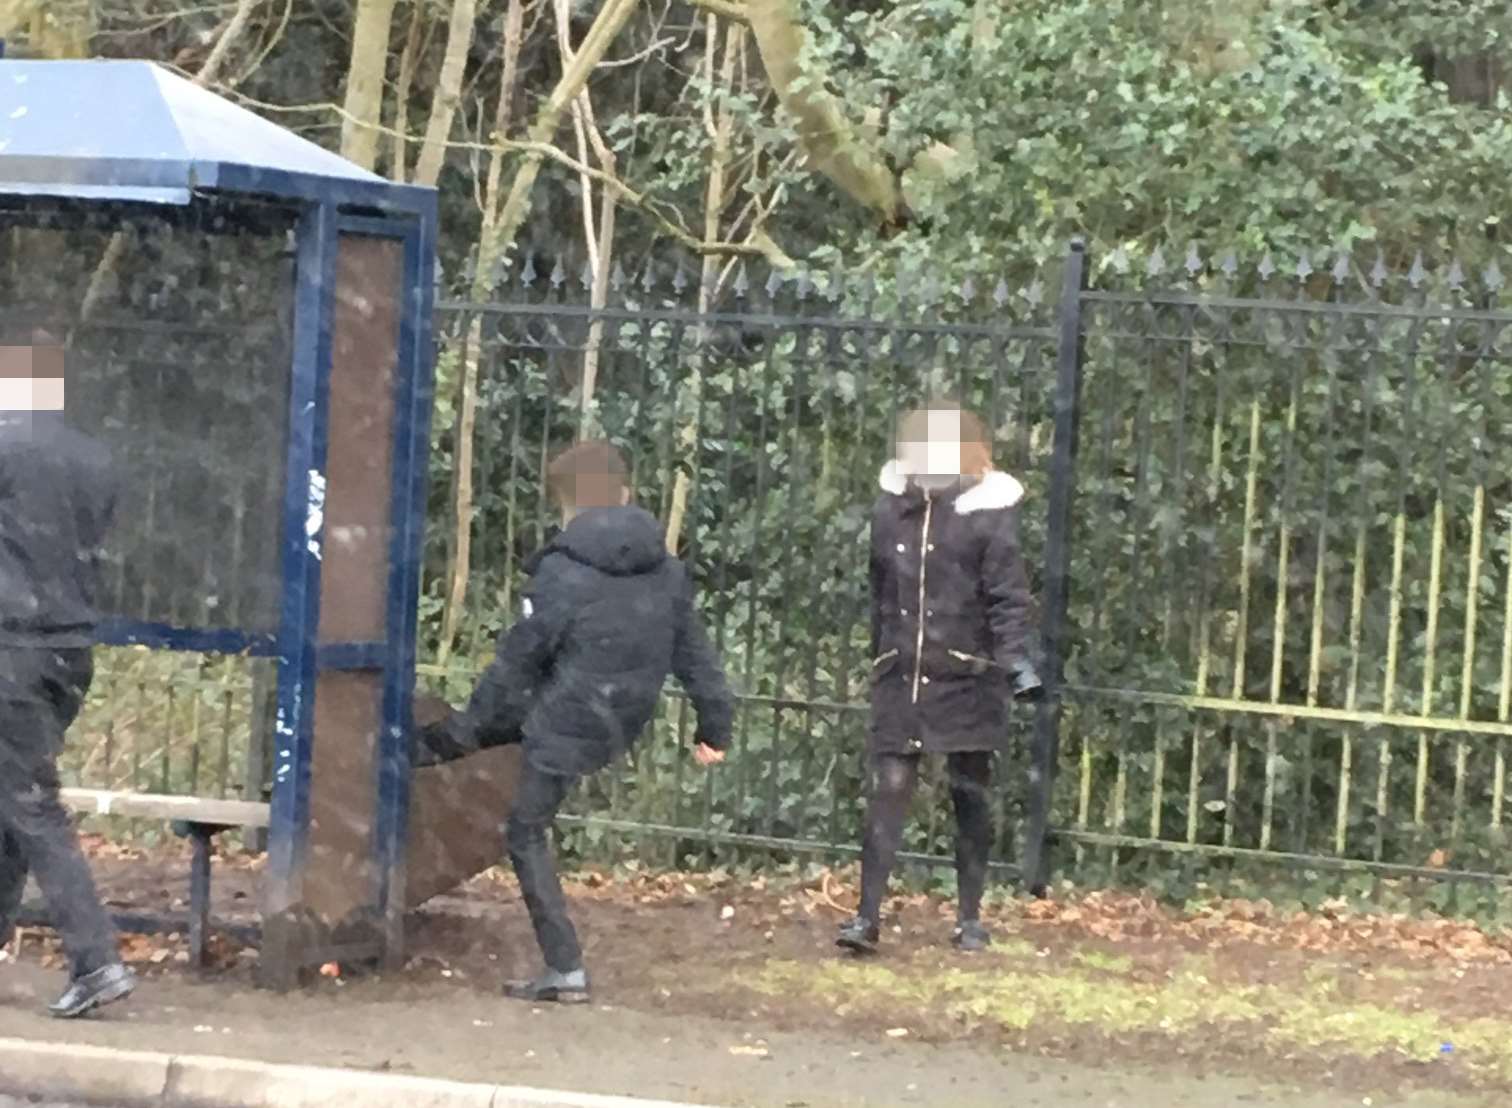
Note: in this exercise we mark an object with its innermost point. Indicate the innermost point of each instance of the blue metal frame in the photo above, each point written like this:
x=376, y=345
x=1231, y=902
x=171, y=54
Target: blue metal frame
x=304, y=493
x=331, y=198
x=162, y=636
x=350, y=656
x=411, y=437
x=379, y=196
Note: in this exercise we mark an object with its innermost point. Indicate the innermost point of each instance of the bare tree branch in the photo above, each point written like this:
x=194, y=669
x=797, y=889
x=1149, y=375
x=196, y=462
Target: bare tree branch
x=755, y=246
x=725, y=9
x=408, y=59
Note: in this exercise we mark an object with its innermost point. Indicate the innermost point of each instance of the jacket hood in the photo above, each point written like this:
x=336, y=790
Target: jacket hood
x=622, y=542
x=996, y=490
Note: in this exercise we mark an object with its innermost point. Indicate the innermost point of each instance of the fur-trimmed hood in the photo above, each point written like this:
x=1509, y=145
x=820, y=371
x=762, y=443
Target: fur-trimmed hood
x=996, y=490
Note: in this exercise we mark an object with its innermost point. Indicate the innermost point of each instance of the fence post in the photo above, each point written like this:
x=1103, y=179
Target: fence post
x=1046, y=744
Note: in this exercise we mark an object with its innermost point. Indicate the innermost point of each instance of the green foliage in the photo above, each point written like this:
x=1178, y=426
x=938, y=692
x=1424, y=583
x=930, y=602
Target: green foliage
x=1280, y=125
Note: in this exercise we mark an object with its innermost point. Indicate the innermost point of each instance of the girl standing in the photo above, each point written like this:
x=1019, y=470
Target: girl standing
x=952, y=621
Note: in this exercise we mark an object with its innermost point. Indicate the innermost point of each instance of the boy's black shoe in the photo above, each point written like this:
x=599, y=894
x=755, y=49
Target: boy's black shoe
x=970, y=936
x=94, y=990
x=859, y=936
x=552, y=987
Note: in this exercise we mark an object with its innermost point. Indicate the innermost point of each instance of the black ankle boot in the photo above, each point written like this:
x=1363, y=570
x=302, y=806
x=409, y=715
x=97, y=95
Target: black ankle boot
x=970, y=936
x=859, y=935
x=552, y=987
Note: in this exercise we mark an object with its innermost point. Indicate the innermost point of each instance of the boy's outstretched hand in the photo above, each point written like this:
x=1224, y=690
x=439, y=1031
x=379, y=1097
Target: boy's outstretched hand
x=706, y=755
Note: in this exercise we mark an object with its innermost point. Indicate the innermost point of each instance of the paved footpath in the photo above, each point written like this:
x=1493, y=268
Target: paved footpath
x=453, y=1033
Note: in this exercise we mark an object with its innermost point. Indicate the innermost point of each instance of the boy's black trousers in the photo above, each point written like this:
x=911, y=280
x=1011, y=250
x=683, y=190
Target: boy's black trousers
x=41, y=691
x=537, y=799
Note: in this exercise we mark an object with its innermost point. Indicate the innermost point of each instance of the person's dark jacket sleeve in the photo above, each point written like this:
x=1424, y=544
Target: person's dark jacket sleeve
x=1010, y=606
x=496, y=712
x=698, y=670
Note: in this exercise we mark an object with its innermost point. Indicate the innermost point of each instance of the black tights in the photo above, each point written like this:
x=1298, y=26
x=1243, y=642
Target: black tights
x=894, y=778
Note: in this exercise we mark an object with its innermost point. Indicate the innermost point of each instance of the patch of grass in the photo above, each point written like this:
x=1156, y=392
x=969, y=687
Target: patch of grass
x=1013, y=948
x=1108, y=963
x=1089, y=995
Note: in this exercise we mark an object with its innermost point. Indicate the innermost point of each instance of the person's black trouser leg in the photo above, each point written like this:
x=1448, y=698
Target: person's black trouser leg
x=893, y=779
x=536, y=801
x=40, y=694
x=971, y=795
x=12, y=882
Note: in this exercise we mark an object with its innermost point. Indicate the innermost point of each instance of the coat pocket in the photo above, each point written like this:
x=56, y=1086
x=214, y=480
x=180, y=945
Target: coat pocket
x=882, y=663
x=973, y=664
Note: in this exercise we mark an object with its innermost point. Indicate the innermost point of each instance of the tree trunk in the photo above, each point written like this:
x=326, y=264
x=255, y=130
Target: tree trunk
x=364, y=85
x=459, y=38
x=827, y=136
x=720, y=125
x=598, y=297
x=62, y=28
x=611, y=19
x=467, y=375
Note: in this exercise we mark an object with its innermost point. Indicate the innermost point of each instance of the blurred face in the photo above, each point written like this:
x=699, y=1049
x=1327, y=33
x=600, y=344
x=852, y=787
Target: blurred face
x=929, y=451
x=594, y=492
x=31, y=378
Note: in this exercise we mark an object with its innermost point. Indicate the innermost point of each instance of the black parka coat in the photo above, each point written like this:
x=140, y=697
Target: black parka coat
x=953, y=623
x=57, y=499
x=608, y=615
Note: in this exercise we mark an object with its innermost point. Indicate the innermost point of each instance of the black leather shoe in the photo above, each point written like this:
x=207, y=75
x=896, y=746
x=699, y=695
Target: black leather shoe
x=552, y=987
x=970, y=936
x=859, y=936
x=94, y=990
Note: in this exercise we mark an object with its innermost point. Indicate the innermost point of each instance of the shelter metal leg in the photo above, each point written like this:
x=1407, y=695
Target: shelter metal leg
x=199, y=894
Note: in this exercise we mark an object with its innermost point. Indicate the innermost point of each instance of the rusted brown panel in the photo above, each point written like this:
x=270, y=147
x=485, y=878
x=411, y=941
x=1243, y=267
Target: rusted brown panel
x=348, y=714
x=456, y=820
x=359, y=474
x=340, y=883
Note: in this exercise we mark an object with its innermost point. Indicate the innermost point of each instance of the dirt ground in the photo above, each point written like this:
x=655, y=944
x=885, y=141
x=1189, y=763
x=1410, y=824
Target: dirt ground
x=728, y=991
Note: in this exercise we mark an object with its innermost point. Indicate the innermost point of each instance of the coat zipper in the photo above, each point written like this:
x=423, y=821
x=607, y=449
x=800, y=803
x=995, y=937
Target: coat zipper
x=923, y=577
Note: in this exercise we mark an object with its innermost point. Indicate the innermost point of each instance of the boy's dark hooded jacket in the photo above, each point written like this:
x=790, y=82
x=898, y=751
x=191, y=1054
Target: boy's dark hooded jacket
x=952, y=617
x=608, y=614
x=57, y=496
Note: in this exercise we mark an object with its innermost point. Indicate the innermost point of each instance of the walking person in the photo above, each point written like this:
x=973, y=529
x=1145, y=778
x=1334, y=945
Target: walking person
x=952, y=625
x=56, y=503
x=607, y=615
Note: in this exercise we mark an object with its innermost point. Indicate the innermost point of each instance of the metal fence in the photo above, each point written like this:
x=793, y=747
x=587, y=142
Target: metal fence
x=757, y=419
x=1287, y=559
x=1291, y=561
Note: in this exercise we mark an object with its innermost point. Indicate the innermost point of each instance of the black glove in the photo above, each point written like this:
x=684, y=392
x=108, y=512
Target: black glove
x=1026, y=684
x=435, y=746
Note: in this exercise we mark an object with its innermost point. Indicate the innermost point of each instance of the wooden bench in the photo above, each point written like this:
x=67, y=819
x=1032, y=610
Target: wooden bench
x=195, y=818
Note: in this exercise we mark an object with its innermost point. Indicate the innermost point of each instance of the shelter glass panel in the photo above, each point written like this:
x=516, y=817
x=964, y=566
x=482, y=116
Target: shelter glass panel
x=176, y=328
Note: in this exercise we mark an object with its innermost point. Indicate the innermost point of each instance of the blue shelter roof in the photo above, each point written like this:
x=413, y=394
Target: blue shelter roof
x=131, y=130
